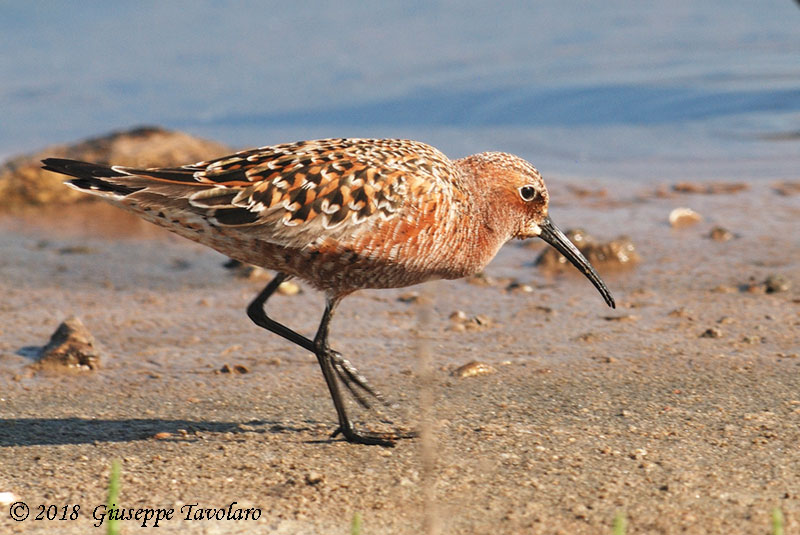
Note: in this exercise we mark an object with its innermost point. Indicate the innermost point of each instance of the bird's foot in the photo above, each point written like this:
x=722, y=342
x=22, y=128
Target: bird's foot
x=386, y=440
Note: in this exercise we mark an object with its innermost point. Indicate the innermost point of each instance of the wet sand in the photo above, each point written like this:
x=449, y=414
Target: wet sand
x=592, y=411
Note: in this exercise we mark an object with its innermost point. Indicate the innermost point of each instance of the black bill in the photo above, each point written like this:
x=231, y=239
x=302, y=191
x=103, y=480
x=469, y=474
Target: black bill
x=552, y=235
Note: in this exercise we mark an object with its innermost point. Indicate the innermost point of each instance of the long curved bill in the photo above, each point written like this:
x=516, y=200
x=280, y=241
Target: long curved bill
x=552, y=235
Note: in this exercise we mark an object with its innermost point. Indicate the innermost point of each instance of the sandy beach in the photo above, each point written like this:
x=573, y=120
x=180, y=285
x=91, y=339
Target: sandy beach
x=680, y=409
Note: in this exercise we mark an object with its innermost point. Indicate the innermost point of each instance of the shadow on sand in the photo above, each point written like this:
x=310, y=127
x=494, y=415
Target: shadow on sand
x=59, y=431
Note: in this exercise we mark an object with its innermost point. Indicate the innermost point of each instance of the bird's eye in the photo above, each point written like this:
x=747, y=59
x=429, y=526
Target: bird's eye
x=528, y=193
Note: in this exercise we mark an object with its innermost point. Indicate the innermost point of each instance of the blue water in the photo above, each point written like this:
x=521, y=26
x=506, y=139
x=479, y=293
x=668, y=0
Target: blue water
x=640, y=90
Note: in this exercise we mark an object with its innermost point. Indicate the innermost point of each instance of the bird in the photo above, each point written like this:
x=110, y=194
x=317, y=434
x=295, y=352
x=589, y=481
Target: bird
x=343, y=215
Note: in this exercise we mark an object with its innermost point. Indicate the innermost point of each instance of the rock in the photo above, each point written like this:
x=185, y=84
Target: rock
x=720, y=234
x=289, y=288
x=23, y=182
x=481, y=279
x=711, y=332
x=519, y=287
x=713, y=188
x=461, y=322
x=314, y=478
x=408, y=297
x=621, y=318
x=777, y=283
x=787, y=188
x=7, y=498
x=71, y=346
x=617, y=253
x=472, y=369
x=235, y=369
x=682, y=217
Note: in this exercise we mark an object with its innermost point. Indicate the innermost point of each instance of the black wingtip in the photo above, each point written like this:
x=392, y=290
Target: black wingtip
x=79, y=169
x=88, y=176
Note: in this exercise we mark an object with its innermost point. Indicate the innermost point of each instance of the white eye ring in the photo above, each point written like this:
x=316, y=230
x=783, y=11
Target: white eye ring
x=528, y=193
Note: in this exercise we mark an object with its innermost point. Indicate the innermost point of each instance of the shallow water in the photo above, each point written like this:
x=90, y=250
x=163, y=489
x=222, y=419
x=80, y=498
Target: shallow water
x=614, y=89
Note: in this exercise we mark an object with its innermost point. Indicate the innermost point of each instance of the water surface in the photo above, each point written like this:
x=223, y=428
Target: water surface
x=597, y=89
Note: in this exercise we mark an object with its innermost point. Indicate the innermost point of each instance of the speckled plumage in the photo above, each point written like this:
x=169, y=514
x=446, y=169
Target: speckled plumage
x=342, y=214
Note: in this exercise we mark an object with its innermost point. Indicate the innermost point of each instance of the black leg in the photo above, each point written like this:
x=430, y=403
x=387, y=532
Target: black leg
x=330, y=361
x=350, y=376
x=256, y=312
x=325, y=356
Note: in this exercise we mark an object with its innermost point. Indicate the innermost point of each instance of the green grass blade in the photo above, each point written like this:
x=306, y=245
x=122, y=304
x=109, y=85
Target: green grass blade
x=777, y=522
x=355, y=526
x=112, y=528
x=620, y=525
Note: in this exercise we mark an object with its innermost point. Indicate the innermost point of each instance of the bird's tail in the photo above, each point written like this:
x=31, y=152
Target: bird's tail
x=92, y=178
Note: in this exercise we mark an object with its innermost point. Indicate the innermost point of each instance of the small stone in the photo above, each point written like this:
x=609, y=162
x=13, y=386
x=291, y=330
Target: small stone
x=162, y=435
x=483, y=320
x=624, y=317
x=472, y=369
x=777, y=283
x=788, y=188
x=710, y=189
x=459, y=316
x=723, y=289
x=681, y=217
x=711, y=332
x=720, y=234
x=606, y=359
x=409, y=297
x=289, y=288
x=70, y=346
x=7, y=498
x=518, y=287
x=615, y=254
x=754, y=288
x=481, y=279
x=314, y=478
x=235, y=369
x=680, y=313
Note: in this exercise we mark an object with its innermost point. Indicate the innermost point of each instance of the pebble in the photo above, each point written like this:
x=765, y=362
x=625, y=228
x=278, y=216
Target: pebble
x=682, y=217
x=723, y=289
x=787, y=188
x=462, y=322
x=720, y=234
x=7, y=498
x=235, y=369
x=617, y=253
x=473, y=369
x=314, y=478
x=710, y=189
x=680, y=313
x=624, y=317
x=777, y=283
x=70, y=346
x=481, y=279
x=711, y=332
x=408, y=297
x=289, y=288
x=518, y=287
